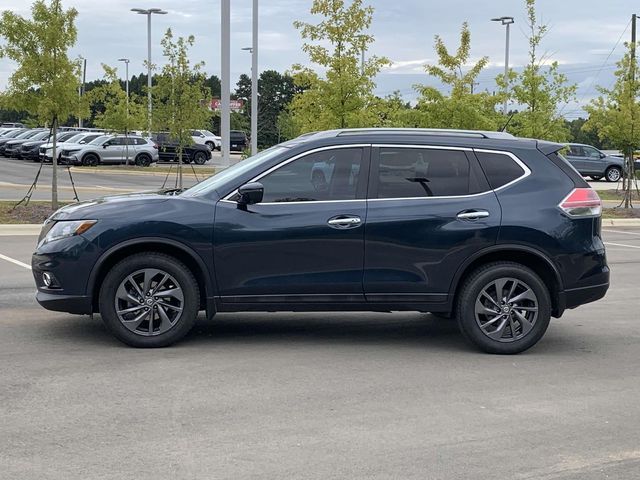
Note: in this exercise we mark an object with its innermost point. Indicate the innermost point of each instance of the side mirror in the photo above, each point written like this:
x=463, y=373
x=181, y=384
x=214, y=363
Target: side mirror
x=250, y=193
x=602, y=155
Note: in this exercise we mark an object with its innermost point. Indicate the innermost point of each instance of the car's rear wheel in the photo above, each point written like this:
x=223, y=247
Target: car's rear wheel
x=613, y=174
x=90, y=160
x=504, y=308
x=200, y=158
x=149, y=300
x=143, y=160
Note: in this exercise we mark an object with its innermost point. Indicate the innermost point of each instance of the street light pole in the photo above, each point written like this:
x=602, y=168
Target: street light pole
x=81, y=89
x=506, y=21
x=126, y=82
x=148, y=12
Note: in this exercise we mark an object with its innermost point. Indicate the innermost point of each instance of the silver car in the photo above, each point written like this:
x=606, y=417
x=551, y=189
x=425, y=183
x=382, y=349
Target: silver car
x=113, y=149
x=76, y=140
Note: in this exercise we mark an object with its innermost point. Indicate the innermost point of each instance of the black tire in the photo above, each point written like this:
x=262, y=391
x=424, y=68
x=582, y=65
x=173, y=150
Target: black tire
x=211, y=145
x=200, y=158
x=143, y=160
x=166, y=264
x=613, y=174
x=476, y=282
x=596, y=177
x=90, y=160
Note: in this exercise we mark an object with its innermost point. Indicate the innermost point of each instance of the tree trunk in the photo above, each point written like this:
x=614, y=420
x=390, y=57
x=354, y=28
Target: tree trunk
x=54, y=163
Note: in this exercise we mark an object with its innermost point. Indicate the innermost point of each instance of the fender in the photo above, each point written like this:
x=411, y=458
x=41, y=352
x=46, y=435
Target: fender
x=209, y=287
x=500, y=247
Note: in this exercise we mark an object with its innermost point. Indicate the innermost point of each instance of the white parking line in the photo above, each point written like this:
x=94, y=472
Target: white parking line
x=14, y=261
x=622, y=231
x=622, y=245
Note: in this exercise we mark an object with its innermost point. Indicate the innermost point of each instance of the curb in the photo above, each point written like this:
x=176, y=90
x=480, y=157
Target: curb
x=20, y=229
x=621, y=222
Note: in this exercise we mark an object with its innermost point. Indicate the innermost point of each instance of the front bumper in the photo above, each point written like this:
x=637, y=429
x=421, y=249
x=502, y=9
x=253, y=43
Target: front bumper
x=77, y=304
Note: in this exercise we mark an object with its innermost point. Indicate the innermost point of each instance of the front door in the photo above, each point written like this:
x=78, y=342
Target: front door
x=304, y=243
x=429, y=209
x=113, y=150
x=593, y=161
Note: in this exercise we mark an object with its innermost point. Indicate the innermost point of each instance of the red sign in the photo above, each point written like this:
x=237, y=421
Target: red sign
x=235, y=104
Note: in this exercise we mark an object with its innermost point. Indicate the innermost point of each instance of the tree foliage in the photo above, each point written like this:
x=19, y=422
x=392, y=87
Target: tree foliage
x=615, y=114
x=461, y=108
x=180, y=95
x=45, y=81
x=539, y=89
x=340, y=98
x=112, y=110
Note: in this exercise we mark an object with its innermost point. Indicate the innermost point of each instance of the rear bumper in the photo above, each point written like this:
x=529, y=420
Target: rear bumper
x=575, y=297
x=78, y=304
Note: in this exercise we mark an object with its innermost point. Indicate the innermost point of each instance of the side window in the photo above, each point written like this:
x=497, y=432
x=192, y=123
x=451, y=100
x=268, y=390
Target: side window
x=500, y=169
x=591, y=152
x=421, y=172
x=326, y=175
x=575, y=151
x=139, y=141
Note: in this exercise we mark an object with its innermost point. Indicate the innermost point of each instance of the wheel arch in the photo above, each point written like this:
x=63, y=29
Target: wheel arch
x=530, y=257
x=176, y=249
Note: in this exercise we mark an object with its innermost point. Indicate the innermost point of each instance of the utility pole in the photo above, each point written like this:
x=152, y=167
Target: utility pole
x=254, y=81
x=225, y=93
x=506, y=21
x=629, y=171
x=81, y=89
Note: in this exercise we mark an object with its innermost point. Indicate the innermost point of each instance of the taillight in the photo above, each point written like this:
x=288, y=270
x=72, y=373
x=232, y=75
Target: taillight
x=582, y=202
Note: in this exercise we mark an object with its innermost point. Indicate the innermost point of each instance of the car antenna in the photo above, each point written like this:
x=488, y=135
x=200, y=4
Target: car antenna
x=507, y=123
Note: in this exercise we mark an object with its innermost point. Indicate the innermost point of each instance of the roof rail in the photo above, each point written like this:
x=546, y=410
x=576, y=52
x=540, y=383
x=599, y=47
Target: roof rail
x=425, y=131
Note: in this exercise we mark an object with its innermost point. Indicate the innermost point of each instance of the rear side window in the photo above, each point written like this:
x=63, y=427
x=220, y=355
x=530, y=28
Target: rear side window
x=500, y=169
x=421, y=172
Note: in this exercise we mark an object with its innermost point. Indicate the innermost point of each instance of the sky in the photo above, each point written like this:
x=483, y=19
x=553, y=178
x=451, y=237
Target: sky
x=585, y=36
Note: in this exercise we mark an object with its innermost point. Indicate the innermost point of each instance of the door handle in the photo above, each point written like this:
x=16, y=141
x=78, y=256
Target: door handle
x=473, y=214
x=344, y=221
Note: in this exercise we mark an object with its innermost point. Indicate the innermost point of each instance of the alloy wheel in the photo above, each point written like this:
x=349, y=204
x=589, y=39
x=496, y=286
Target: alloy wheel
x=506, y=309
x=149, y=302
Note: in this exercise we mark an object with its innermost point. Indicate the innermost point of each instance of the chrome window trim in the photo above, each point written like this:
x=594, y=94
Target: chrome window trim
x=527, y=172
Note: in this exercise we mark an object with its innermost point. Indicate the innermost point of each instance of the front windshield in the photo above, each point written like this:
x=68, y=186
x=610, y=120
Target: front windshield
x=236, y=170
x=27, y=134
x=75, y=138
x=66, y=136
x=41, y=136
x=208, y=133
x=14, y=134
x=100, y=139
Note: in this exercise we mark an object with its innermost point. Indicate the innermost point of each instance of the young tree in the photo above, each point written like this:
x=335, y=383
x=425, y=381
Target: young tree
x=113, y=110
x=180, y=95
x=461, y=108
x=341, y=98
x=615, y=116
x=45, y=82
x=539, y=89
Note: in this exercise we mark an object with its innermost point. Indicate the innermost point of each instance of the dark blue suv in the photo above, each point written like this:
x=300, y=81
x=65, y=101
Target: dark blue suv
x=500, y=233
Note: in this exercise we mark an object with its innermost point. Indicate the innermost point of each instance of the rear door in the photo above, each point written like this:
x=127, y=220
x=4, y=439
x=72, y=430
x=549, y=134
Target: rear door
x=576, y=157
x=429, y=209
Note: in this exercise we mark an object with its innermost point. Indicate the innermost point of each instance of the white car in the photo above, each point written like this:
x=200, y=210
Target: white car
x=75, y=140
x=205, y=137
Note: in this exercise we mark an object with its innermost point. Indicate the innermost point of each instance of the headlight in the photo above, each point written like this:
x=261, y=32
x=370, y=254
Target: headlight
x=65, y=229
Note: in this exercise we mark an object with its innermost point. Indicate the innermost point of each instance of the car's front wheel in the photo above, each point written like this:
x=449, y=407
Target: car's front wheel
x=149, y=300
x=504, y=308
x=211, y=145
x=200, y=158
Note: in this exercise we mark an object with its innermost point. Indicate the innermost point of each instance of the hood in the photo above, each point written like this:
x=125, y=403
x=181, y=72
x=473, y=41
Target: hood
x=142, y=203
x=33, y=143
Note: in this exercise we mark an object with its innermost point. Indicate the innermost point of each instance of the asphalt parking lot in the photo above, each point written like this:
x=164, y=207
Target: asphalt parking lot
x=319, y=396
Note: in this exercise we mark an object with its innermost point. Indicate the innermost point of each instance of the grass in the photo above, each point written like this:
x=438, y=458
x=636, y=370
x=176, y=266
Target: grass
x=186, y=169
x=34, y=212
x=616, y=194
x=621, y=213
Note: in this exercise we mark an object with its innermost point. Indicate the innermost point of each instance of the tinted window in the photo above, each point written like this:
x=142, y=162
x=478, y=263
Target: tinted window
x=500, y=169
x=575, y=151
x=420, y=172
x=326, y=175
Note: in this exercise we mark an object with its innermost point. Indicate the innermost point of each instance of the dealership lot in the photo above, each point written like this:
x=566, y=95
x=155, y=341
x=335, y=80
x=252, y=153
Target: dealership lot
x=319, y=395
